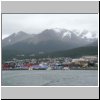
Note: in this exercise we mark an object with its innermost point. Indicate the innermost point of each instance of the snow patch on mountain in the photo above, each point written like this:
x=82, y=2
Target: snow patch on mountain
x=68, y=33
x=77, y=32
x=89, y=35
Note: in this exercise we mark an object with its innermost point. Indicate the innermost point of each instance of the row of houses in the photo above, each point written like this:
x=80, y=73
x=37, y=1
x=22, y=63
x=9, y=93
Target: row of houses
x=52, y=63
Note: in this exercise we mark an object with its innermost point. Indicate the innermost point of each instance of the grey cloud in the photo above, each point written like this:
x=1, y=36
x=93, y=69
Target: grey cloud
x=35, y=23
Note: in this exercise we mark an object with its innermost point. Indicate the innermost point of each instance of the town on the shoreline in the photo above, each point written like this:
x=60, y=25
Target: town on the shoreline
x=57, y=63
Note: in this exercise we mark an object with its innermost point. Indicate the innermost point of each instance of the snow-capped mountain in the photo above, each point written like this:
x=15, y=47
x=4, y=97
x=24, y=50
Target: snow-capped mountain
x=14, y=38
x=49, y=40
x=85, y=34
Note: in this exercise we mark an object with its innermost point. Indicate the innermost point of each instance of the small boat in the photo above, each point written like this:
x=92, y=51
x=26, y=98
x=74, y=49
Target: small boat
x=39, y=67
x=57, y=67
x=66, y=68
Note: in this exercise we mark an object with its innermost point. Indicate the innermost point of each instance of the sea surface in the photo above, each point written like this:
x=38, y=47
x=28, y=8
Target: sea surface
x=49, y=78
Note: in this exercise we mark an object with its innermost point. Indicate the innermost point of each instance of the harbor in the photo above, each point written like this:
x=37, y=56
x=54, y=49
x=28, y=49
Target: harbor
x=49, y=78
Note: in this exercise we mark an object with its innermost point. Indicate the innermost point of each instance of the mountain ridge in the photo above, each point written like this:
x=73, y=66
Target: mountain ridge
x=49, y=40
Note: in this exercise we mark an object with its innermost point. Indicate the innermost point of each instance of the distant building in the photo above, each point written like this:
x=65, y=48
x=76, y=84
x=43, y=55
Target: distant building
x=91, y=58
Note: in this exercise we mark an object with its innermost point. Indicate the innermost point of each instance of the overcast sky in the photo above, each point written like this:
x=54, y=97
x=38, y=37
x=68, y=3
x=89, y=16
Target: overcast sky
x=35, y=23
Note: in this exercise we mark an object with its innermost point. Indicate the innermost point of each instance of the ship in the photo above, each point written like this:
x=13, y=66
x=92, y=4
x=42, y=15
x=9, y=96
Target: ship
x=41, y=66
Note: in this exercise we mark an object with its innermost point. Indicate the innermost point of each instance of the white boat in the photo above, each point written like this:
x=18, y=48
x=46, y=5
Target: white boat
x=30, y=68
x=66, y=68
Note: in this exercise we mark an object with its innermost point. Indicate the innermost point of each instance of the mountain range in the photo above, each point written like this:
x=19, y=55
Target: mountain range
x=47, y=41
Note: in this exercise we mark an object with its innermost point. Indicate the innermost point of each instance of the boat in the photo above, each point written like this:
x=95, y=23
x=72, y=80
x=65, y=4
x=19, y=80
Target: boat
x=57, y=67
x=39, y=67
x=66, y=68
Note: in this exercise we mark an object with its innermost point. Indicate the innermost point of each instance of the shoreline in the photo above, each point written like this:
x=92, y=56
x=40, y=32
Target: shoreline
x=46, y=69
